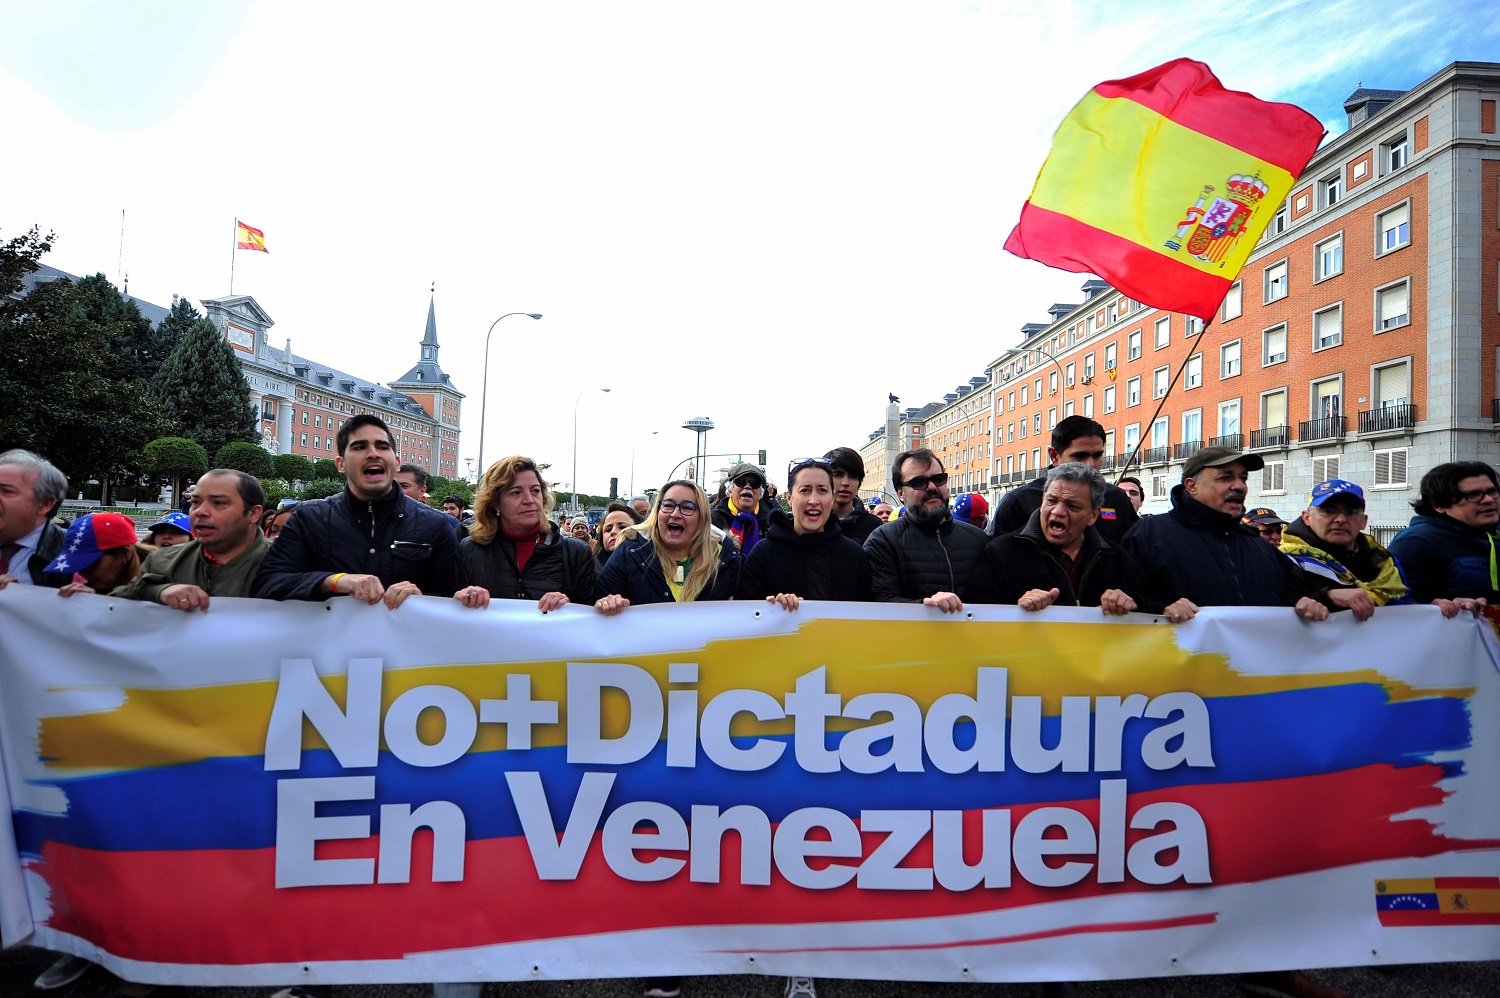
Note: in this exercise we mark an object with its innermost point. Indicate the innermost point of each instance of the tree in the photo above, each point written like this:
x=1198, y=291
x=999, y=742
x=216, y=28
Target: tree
x=322, y=488
x=438, y=486
x=174, y=328
x=133, y=350
x=324, y=467
x=293, y=467
x=202, y=392
x=176, y=458
x=250, y=458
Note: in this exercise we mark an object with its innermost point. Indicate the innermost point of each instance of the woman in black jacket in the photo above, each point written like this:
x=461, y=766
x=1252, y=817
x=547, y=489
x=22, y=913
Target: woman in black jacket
x=806, y=555
x=513, y=551
x=617, y=516
x=1058, y=557
x=674, y=556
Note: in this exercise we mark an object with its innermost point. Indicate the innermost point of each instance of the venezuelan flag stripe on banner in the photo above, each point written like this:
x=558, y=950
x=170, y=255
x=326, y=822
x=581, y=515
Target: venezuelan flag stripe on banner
x=249, y=238
x=1163, y=183
x=341, y=793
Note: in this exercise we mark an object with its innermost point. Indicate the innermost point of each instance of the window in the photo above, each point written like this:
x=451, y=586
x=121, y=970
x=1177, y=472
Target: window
x=1328, y=258
x=1163, y=331
x=1070, y=373
x=1068, y=407
x=1133, y=391
x=1088, y=405
x=1327, y=401
x=1133, y=346
x=1273, y=477
x=1158, y=486
x=1036, y=389
x=1109, y=356
x=1324, y=468
x=1390, y=467
x=304, y=436
x=1234, y=302
x=1192, y=426
x=1397, y=152
x=1194, y=372
x=1025, y=397
x=1229, y=359
x=1392, y=306
x=1036, y=423
x=1132, y=436
x=1160, y=432
x=1328, y=327
x=1394, y=228
x=1010, y=432
x=304, y=417
x=268, y=410
x=1333, y=190
x=1052, y=383
x=1109, y=398
x=1391, y=384
x=1229, y=418
x=1051, y=416
x=1192, y=327
x=1024, y=424
x=1273, y=409
x=1274, y=351
x=1276, y=282
x=1278, y=223
x=1012, y=398
x=1160, y=378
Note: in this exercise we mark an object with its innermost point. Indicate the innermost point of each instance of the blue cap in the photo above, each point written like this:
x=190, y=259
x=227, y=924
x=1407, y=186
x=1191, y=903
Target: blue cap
x=1324, y=491
x=172, y=521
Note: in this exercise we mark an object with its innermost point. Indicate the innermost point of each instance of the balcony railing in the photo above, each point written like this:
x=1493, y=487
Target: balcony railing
x=1495, y=410
x=1271, y=436
x=1321, y=429
x=1156, y=455
x=1183, y=451
x=1388, y=417
x=1234, y=441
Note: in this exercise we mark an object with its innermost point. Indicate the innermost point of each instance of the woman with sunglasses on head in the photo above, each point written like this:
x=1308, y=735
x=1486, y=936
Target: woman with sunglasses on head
x=806, y=555
x=673, y=556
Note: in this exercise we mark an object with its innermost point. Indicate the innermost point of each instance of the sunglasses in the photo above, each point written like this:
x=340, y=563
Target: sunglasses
x=750, y=481
x=921, y=482
x=798, y=463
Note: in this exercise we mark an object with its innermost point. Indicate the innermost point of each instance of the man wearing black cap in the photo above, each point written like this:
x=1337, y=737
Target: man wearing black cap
x=1200, y=554
x=742, y=514
x=1264, y=521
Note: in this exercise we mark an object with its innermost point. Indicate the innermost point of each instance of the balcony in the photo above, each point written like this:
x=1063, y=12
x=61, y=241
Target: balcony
x=1271, y=436
x=1327, y=428
x=1156, y=455
x=1234, y=441
x=1183, y=451
x=1388, y=417
x=1124, y=456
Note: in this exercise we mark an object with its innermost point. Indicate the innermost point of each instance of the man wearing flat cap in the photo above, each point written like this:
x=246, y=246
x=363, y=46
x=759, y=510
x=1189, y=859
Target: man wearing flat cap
x=1200, y=553
x=744, y=513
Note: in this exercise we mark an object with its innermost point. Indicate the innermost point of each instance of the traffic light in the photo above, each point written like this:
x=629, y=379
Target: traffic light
x=762, y=460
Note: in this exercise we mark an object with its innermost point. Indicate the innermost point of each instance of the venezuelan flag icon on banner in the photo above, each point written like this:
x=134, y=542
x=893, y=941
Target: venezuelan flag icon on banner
x=1163, y=183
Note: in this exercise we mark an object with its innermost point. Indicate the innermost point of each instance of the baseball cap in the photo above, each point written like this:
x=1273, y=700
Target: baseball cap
x=89, y=537
x=172, y=521
x=969, y=505
x=1217, y=457
x=746, y=469
x=1324, y=491
x=1262, y=514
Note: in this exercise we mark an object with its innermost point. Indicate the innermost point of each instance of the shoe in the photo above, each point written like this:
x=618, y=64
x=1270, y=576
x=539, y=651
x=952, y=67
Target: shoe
x=663, y=987
x=1285, y=984
x=800, y=987
x=64, y=971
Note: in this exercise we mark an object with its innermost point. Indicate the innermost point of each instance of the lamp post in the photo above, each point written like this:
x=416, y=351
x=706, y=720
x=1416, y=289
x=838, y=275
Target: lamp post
x=484, y=391
x=575, y=443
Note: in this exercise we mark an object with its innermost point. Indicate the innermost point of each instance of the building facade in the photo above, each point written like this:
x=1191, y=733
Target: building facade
x=1362, y=339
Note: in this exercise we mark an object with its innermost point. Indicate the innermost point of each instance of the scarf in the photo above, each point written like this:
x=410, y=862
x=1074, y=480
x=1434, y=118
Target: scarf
x=1387, y=587
x=745, y=526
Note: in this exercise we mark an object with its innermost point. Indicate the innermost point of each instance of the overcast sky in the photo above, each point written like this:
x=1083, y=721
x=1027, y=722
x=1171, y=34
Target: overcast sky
x=771, y=214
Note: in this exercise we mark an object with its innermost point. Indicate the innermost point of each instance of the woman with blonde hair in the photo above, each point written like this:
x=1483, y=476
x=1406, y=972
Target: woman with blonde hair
x=674, y=556
x=513, y=550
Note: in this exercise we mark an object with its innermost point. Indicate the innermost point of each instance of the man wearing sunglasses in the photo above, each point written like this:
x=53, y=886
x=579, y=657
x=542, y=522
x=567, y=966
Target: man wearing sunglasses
x=1449, y=550
x=1076, y=439
x=925, y=556
x=742, y=513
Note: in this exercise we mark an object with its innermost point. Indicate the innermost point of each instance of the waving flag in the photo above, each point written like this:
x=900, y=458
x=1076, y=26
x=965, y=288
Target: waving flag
x=1163, y=183
x=248, y=237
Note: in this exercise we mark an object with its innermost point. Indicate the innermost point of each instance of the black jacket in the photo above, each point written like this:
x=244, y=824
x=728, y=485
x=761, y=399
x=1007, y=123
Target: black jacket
x=633, y=571
x=557, y=565
x=395, y=538
x=1020, y=562
x=1211, y=558
x=860, y=524
x=825, y=565
x=1116, y=514
x=909, y=563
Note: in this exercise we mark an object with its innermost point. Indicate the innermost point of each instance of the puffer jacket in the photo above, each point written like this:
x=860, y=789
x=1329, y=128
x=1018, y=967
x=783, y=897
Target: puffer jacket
x=1023, y=561
x=860, y=524
x=1210, y=557
x=557, y=565
x=822, y=566
x=1444, y=558
x=909, y=563
x=634, y=571
x=394, y=538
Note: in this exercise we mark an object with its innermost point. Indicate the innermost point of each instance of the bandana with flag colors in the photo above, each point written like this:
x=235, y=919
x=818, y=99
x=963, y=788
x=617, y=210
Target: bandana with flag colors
x=249, y=237
x=1163, y=183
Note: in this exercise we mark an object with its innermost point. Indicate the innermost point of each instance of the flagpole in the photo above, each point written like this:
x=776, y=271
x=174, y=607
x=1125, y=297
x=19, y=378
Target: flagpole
x=234, y=243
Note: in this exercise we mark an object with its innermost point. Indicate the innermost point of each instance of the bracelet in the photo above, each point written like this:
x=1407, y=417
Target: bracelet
x=333, y=581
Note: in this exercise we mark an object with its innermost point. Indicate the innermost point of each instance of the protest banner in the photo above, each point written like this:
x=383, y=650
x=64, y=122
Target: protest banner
x=279, y=793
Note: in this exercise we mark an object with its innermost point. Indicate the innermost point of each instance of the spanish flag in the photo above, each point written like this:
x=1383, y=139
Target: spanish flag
x=1162, y=184
x=248, y=237
x=1438, y=901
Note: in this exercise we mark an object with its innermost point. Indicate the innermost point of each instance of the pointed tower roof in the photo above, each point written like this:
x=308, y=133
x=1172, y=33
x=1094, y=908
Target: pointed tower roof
x=427, y=373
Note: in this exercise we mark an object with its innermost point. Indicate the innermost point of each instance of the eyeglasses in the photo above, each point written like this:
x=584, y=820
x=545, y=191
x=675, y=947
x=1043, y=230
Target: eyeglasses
x=1479, y=495
x=798, y=463
x=1333, y=511
x=921, y=482
x=750, y=481
x=686, y=507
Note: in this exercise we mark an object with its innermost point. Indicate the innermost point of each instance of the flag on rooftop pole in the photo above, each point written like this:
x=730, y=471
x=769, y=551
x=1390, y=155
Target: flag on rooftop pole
x=248, y=237
x=1161, y=184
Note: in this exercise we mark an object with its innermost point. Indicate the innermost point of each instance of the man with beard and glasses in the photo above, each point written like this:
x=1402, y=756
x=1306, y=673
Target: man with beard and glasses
x=925, y=556
x=1200, y=554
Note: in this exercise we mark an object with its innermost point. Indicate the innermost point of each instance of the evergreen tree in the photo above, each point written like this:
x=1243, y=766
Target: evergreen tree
x=175, y=459
x=324, y=467
x=132, y=351
x=201, y=390
x=174, y=328
x=293, y=467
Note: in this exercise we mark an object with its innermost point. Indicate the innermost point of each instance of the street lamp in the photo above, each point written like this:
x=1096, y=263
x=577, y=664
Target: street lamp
x=575, y=443
x=484, y=391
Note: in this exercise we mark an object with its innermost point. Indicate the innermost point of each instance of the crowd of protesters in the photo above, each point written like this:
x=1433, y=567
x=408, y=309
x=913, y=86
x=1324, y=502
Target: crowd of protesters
x=1068, y=538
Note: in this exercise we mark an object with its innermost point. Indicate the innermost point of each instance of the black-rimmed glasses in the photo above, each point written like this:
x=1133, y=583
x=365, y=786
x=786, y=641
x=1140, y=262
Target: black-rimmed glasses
x=687, y=507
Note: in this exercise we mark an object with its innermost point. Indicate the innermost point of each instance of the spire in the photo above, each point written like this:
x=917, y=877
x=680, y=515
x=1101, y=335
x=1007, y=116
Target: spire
x=426, y=374
x=429, y=338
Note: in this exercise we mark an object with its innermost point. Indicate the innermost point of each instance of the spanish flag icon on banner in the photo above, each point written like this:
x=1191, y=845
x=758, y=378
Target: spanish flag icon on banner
x=248, y=237
x=1163, y=183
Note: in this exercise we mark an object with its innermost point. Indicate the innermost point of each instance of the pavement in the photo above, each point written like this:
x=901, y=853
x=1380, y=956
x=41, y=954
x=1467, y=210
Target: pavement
x=20, y=966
